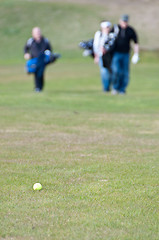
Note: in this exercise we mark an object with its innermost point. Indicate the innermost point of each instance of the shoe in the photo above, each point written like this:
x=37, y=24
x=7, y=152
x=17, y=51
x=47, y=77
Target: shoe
x=114, y=92
x=106, y=91
x=37, y=90
x=122, y=93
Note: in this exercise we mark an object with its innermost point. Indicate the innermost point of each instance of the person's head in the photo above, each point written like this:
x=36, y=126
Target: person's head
x=36, y=33
x=105, y=26
x=124, y=21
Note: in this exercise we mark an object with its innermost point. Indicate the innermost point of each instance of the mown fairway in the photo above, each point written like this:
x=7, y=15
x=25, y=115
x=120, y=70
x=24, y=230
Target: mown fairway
x=96, y=155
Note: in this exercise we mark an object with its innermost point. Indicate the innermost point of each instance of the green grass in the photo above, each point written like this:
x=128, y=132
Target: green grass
x=96, y=155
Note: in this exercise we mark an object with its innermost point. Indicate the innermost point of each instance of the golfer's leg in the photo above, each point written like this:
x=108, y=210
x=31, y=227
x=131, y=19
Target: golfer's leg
x=115, y=71
x=105, y=76
x=125, y=75
x=36, y=81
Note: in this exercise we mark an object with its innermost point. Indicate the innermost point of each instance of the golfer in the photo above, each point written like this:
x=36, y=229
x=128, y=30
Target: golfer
x=121, y=55
x=35, y=48
x=100, y=38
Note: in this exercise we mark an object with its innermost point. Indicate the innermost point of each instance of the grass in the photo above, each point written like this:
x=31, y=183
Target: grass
x=96, y=155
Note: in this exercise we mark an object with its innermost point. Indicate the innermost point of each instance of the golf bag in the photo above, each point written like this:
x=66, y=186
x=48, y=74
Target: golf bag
x=88, y=48
x=45, y=58
x=107, y=59
x=109, y=47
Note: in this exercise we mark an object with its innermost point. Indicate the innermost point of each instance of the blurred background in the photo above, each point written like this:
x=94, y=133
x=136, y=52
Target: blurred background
x=66, y=23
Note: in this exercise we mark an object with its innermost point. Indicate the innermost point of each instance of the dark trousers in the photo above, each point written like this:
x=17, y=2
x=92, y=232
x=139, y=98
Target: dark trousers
x=39, y=74
x=120, y=71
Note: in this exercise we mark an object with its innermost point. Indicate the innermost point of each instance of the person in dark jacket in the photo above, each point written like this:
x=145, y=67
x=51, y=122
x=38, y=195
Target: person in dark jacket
x=121, y=55
x=35, y=48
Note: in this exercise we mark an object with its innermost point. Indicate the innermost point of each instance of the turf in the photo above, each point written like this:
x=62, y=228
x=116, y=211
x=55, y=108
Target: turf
x=95, y=154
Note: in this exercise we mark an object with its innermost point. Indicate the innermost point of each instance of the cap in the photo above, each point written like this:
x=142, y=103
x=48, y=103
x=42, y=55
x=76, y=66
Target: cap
x=105, y=24
x=125, y=18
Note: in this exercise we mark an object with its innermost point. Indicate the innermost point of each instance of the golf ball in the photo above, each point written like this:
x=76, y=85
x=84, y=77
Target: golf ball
x=37, y=186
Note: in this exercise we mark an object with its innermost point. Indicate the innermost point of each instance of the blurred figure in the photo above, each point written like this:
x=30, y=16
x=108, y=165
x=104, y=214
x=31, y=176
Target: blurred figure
x=121, y=55
x=100, y=38
x=34, y=49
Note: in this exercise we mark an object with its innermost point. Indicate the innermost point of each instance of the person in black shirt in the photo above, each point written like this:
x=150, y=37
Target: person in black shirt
x=35, y=48
x=120, y=61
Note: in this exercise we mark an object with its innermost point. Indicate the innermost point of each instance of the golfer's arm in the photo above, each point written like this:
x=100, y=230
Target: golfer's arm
x=136, y=48
x=96, y=43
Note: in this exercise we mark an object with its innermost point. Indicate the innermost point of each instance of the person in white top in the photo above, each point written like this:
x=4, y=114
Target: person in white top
x=100, y=38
